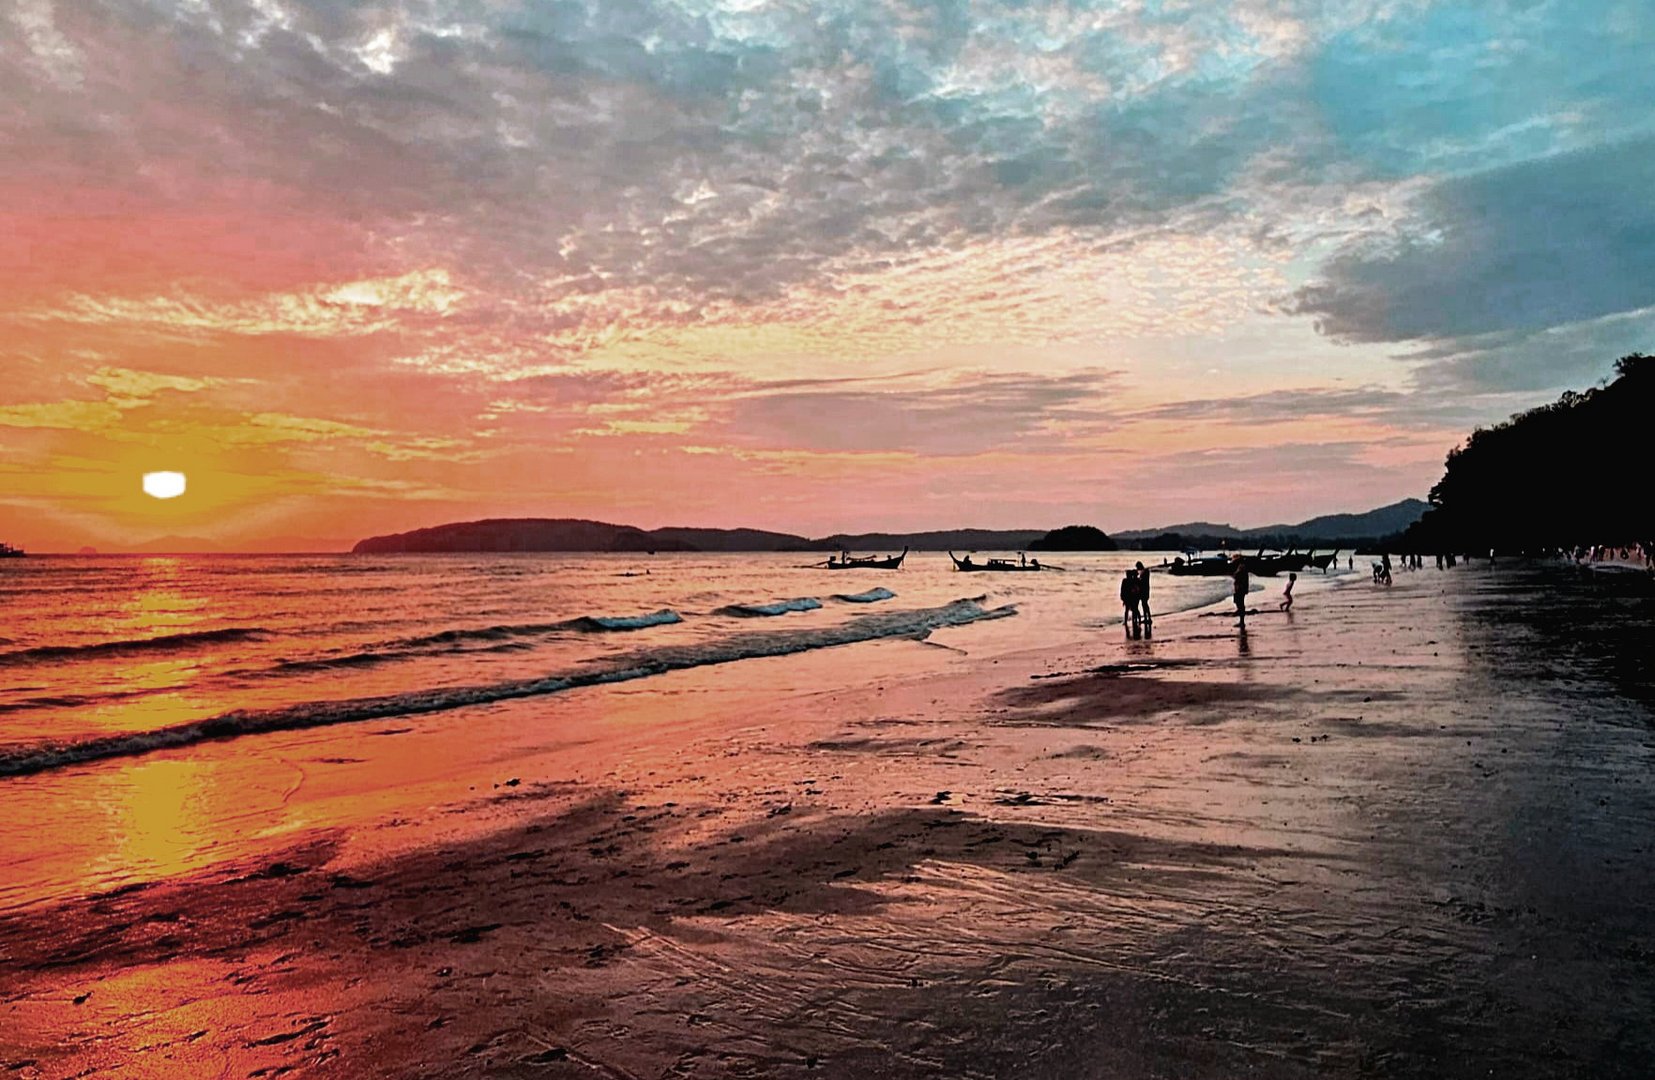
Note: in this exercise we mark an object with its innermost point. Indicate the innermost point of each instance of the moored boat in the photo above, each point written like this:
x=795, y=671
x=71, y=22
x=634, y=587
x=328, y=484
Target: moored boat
x=1224, y=565
x=847, y=561
x=1204, y=566
x=1022, y=564
x=1264, y=565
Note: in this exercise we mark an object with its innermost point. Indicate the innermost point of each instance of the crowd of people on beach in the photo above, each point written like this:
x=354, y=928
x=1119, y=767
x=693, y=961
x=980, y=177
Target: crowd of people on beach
x=1631, y=554
x=1135, y=583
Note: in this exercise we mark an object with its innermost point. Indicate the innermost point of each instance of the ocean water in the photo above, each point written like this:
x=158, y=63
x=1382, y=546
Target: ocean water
x=108, y=658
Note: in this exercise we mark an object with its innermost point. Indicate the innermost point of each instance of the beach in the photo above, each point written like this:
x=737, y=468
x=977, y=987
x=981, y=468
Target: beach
x=1399, y=832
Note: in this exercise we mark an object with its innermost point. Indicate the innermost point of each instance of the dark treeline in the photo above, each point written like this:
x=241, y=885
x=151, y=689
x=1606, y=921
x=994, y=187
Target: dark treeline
x=1556, y=477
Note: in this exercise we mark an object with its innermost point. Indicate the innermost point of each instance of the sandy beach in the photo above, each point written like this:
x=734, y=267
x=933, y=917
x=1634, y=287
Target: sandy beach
x=1401, y=832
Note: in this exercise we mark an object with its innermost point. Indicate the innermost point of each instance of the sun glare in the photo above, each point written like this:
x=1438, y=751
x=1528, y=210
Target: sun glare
x=164, y=485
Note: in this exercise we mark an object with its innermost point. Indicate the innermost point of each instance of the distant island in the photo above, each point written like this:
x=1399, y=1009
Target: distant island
x=1074, y=538
x=578, y=535
x=1364, y=530
x=574, y=534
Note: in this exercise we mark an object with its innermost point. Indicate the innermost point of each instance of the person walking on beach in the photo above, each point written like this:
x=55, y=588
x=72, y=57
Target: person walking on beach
x=1287, y=594
x=1143, y=592
x=1129, y=600
x=1241, y=585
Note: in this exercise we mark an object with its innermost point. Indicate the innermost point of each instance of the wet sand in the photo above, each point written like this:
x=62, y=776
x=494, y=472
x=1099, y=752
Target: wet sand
x=1402, y=832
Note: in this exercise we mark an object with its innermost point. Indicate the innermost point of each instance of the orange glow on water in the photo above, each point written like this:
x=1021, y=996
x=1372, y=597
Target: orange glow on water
x=157, y=818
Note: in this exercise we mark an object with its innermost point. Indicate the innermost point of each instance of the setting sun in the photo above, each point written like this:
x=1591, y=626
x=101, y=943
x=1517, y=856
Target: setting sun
x=164, y=485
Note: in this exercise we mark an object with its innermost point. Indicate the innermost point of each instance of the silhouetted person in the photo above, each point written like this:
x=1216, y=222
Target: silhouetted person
x=1143, y=592
x=1129, y=600
x=1287, y=594
x=1242, y=582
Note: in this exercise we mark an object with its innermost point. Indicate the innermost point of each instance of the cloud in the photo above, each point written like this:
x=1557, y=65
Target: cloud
x=825, y=240
x=351, y=308
x=1500, y=255
x=1569, y=356
x=695, y=149
x=1410, y=409
x=967, y=414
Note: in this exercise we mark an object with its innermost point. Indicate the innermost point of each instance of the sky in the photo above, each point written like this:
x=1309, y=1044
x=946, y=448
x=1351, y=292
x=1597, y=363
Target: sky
x=359, y=267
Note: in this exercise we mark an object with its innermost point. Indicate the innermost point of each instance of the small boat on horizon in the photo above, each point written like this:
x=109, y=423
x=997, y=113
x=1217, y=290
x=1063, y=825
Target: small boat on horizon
x=1023, y=564
x=9, y=552
x=846, y=561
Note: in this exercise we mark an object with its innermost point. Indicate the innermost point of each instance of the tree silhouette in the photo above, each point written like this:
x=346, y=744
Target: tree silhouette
x=1558, y=476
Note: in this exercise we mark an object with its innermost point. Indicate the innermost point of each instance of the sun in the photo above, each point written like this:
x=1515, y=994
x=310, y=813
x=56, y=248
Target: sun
x=164, y=485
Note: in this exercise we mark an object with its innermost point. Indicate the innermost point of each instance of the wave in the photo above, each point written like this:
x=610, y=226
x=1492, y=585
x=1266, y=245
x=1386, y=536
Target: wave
x=40, y=757
x=133, y=645
x=464, y=635
x=604, y=623
x=488, y=639
x=780, y=607
x=589, y=623
x=870, y=597
x=73, y=701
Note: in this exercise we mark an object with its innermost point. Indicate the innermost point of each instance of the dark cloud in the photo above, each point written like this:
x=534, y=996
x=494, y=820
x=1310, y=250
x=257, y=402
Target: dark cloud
x=1571, y=356
x=1511, y=251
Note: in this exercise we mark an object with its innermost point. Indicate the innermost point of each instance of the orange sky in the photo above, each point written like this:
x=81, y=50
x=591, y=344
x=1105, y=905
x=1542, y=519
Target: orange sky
x=367, y=270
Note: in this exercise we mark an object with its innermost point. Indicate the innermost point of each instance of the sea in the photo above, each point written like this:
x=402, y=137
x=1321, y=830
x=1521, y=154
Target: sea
x=111, y=663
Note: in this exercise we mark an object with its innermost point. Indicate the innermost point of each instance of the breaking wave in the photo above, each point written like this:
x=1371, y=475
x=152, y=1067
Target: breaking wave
x=605, y=623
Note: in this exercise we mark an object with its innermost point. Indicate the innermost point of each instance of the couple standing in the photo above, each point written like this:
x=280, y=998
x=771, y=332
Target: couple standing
x=1135, y=597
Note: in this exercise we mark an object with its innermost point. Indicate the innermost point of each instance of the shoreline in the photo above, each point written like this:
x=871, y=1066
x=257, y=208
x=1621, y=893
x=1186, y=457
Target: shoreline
x=1192, y=856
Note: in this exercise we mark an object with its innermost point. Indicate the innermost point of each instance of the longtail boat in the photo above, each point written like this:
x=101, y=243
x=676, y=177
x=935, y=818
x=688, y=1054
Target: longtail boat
x=848, y=561
x=1208, y=566
x=1322, y=562
x=1000, y=566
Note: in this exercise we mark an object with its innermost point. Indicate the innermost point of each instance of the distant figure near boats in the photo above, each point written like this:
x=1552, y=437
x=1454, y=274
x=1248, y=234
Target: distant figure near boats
x=1287, y=593
x=1242, y=584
